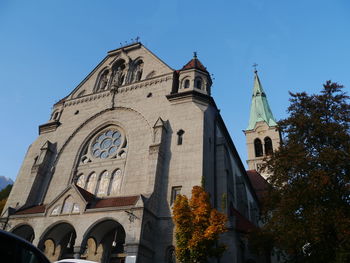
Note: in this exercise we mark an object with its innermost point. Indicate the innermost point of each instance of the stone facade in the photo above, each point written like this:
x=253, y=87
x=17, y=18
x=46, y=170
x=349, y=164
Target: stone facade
x=100, y=180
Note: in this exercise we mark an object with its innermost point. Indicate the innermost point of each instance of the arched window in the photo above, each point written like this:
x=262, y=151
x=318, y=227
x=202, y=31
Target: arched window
x=55, y=115
x=102, y=81
x=137, y=73
x=115, y=182
x=82, y=93
x=258, y=147
x=268, y=146
x=107, y=144
x=103, y=184
x=118, y=73
x=198, y=83
x=91, y=183
x=186, y=83
x=180, y=134
x=67, y=205
x=81, y=181
x=104, y=148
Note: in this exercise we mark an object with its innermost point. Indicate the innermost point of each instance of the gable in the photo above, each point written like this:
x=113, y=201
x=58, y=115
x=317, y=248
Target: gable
x=123, y=66
x=70, y=201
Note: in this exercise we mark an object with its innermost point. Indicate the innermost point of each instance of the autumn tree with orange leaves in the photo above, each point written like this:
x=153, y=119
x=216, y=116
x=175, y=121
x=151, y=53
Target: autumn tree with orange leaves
x=197, y=227
x=307, y=212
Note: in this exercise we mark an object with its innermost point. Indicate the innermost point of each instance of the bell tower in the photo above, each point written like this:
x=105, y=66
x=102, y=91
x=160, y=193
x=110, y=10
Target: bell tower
x=262, y=136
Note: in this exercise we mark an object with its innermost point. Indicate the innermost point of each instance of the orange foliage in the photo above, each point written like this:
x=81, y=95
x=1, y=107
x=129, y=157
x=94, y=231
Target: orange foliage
x=198, y=227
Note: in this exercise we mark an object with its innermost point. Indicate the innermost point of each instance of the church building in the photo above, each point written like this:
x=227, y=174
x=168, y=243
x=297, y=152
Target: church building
x=100, y=180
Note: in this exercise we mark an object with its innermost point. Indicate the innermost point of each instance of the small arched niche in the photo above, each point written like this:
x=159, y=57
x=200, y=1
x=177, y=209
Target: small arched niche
x=198, y=83
x=118, y=73
x=268, y=146
x=258, y=147
x=186, y=83
x=102, y=80
x=137, y=71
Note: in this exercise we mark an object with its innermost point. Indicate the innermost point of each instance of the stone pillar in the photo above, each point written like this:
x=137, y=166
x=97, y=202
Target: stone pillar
x=77, y=251
x=131, y=252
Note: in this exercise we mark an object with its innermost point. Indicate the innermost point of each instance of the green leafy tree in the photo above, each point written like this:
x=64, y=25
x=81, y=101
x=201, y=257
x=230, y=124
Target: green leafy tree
x=307, y=210
x=197, y=227
x=4, y=193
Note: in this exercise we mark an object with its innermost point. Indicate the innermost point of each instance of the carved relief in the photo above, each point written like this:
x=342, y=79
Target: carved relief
x=103, y=81
x=137, y=72
x=119, y=70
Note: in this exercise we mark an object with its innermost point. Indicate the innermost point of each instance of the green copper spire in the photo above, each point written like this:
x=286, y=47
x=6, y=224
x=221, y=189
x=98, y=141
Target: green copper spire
x=259, y=109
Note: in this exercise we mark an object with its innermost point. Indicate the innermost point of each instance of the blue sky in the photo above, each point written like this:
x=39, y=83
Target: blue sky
x=47, y=47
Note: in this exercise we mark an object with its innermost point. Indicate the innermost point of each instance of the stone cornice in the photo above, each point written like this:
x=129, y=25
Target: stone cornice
x=192, y=94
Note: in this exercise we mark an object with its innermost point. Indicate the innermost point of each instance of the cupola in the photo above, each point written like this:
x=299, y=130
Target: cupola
x=194, y=77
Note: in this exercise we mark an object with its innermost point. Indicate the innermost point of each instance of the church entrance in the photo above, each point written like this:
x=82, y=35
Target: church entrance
x=104, y=242
x=58, y=241
x=24, y=231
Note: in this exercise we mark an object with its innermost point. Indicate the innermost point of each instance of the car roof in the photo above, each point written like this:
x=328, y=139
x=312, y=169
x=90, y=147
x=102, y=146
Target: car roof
x=74, y=260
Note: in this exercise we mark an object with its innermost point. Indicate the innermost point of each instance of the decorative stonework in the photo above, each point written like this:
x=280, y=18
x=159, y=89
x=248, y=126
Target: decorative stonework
x=48, y=127
x=126, y=88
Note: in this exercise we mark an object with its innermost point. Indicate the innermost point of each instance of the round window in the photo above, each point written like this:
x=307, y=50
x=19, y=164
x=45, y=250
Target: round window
x=106, y=144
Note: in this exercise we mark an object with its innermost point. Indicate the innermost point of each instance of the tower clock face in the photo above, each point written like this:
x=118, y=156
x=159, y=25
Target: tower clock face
x=106, y=144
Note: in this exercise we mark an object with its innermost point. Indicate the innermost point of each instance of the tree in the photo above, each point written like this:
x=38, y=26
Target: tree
x=307, y=210
x=4, y=193
x=197, y=227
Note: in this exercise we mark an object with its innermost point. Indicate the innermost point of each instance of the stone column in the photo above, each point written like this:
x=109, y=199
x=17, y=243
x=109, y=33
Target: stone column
x=77, y=251
x=131, y=251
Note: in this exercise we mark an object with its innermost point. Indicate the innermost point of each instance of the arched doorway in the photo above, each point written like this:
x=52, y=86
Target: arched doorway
x=58, y=241
x=24, y=231
x=104, y=242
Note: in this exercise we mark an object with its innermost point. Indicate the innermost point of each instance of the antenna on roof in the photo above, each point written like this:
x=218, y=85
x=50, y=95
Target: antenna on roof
x=195, y=54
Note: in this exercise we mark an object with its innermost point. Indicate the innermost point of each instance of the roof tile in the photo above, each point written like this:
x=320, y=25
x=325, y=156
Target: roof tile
x=194, y=63
x=31, y=210
x=242, y=224
x=259, y=184
x=116, y=201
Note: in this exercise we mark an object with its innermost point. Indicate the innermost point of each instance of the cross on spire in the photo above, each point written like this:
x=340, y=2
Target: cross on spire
x=254, y=66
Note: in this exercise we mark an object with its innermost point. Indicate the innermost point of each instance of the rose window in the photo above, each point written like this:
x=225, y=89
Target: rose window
x=106, y=144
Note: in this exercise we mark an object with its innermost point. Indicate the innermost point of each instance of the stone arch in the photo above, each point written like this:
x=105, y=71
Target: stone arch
x=258, y=147
x=103, y=182
x=185, y=82
x=93, y=118
x=91, y=182
x=104, y=241
x=119, y=71
x=102, y=80
x=116, y=182
x=24, y=231
x=58, y=240
x=136, y=70
x=117, y=116
x=81, y=180
x=199, y=83
x=268, y=145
